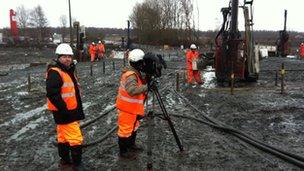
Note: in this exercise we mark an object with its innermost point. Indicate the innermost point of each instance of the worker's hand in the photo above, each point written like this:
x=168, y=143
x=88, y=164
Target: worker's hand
x=74, y=61
x=139, y=117
x=152, y=85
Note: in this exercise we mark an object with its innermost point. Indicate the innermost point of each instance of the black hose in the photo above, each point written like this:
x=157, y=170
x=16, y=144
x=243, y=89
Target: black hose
x=284, y=155
x=4, y=74
x=97, y=118
x=292, y=158
x=230, y=129
x=100, y=139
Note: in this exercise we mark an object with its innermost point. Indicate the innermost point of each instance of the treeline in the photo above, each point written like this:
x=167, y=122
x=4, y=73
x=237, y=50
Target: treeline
x=205, y=37
x=153, y=22
x=164, y=22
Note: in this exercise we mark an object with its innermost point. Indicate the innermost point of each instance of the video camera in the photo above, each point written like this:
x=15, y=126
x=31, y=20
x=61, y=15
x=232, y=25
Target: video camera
x=153, y=64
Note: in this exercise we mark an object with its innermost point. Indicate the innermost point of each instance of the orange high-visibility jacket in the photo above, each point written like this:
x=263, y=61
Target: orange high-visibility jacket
x=301, y=51
x=100, y=48
x=190, y=56
x=67, y=91
x=92, y=50
x=127, y=103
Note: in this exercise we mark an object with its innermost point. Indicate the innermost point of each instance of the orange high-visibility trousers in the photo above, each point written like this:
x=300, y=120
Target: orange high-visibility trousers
x=69, y=133
x=194, y=74
x=92, y=57
x=127, y=124
x=189, y=76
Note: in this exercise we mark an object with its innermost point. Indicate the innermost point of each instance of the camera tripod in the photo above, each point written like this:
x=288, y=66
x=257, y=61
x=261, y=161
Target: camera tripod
x=150, y=121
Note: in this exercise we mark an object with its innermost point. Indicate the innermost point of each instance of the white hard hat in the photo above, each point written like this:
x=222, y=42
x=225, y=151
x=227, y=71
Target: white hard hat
x=136, y=55
x=64, y=49
x=99, y=41
x=193, y=46
x=93, y=43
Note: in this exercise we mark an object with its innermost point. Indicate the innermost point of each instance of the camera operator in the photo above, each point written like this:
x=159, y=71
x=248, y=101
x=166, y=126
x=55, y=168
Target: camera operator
x=130, y=104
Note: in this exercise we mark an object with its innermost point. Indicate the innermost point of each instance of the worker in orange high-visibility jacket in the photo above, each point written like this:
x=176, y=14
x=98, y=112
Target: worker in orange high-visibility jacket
x=100, y=50
x=192, y=55
x=93, y=51
x=63, y=100
x=130, y=104
x=301, y=51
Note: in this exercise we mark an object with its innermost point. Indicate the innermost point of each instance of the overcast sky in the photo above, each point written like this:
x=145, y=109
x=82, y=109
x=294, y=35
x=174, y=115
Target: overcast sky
x=268, y=14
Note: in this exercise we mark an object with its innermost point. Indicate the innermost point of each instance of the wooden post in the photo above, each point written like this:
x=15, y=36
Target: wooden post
x=103, y=67
x=276, y=78
x=29, y=84
x=232, y=80
x=177, y=81
x=91, y=69
x=232, y=83
x=282, y=79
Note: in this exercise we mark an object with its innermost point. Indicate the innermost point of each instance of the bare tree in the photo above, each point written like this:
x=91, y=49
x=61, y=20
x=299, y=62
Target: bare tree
x=38, y=20
x=187, y=9
x=165, y=21
x=63, y=21
x=63, y=24
x=145, y=20
x=22, y=18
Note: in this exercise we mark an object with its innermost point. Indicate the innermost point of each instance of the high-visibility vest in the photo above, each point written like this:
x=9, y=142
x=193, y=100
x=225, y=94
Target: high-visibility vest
x=127, y=103
x=67, y=92
x=100, y=48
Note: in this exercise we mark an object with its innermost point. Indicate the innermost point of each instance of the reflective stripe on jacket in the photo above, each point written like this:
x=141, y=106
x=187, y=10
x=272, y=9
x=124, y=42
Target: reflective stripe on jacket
x=67, y=91
x=127, y=103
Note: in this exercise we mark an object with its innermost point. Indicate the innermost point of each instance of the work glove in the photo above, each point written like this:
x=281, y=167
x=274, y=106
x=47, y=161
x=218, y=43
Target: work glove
x=75, y=62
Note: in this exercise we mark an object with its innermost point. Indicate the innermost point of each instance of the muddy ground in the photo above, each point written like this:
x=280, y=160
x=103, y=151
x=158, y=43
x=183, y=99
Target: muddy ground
x=27, y=129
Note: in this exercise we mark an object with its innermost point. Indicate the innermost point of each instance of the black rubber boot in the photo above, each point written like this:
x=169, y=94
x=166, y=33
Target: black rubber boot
x=133, y=147
x=124, y=148
x=76, y=152
x=64, y=153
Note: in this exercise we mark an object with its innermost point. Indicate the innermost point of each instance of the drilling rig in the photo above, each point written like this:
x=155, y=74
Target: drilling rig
x=282, y=42
x=235, y=53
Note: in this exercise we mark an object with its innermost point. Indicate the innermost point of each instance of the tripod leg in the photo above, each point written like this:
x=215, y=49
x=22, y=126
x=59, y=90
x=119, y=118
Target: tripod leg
x=162, y=106
x=150, y=122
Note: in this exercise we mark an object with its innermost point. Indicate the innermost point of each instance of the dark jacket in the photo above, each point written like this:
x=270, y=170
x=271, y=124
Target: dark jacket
x=53, y=88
